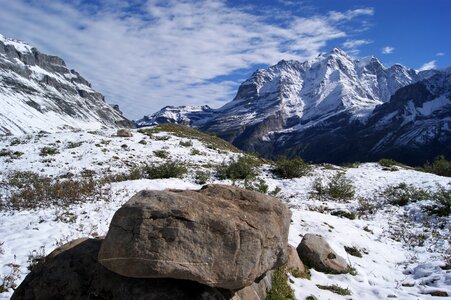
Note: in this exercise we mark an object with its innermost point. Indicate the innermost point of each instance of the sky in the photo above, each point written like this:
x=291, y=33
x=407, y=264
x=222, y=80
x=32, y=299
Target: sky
x=146, y=54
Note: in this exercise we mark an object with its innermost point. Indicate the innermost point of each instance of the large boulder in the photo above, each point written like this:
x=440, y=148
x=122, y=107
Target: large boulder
x=221, y=236
x=316, y=252
x=72, y=272
x=124, y=132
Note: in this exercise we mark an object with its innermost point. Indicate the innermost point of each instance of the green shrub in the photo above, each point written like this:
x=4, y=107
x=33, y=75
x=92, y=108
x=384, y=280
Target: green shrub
x=345, y=214
x=442, y=202
x=335, y=289
x=291, y=168
x=11, y=154
x=386, y=162
x=48, y=151
x=71, y=145
x=245, y=167
x=340, y=187
x=202, y=177
x=319, y=190
x=441, y=166
x=194, y=152
x=259, y=186
x=280, y=289
x=186, y=143
x=169, y=169
x=402, y=194
x=163, y=154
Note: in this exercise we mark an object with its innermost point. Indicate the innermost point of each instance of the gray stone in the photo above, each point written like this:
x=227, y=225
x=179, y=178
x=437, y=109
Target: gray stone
x=294, y=263
x=221, y=236
x=315, y=252
x=123, y=132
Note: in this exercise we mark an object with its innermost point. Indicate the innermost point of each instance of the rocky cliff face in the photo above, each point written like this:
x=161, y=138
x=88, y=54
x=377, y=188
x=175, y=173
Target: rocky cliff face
x=38, y=92
x=315, y=109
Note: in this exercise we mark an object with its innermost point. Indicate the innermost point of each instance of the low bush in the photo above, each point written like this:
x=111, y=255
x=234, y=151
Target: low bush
x=442, y=202
x=258, y=186
x=341, y=187
x=291, y=168
x=194, y=152
x=48, y=151
x=280, y=288
x=441, y=166
x=335, y=289
x=201, y=177
x=169, y=169
x=163, y=154
x=402, y=194
x=245, y=167
x=71, y=145
x=186, y=143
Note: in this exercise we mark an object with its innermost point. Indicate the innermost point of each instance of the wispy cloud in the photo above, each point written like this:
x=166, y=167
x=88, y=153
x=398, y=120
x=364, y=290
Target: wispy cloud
x=144, y=55
x=352, y=46
x=440, y=54
x=350, y=14
x=388, y=50
x=428, y=66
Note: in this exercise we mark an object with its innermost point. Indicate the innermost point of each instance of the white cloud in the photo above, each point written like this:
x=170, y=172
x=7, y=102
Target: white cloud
x=144, y=57
x=440, y=54
x=350, y=14
x=355, y=43
x=387, y=50
x=428, y=66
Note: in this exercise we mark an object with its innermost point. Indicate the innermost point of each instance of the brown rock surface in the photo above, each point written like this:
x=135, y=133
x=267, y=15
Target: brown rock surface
x=221, y=236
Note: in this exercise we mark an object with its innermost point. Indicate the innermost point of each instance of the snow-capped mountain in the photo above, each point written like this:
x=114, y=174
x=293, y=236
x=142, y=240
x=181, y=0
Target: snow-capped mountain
x=299, y=108
x=38, y=92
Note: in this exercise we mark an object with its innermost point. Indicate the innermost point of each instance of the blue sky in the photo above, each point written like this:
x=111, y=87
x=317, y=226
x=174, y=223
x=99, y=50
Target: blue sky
x=145, y=54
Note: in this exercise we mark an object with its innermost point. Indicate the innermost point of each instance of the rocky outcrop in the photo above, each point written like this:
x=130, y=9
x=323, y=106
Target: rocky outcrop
x=316, y=253
x=221, y=236
x=123, y=132
x=39, y=92
x=73, y=272
x=218, y=243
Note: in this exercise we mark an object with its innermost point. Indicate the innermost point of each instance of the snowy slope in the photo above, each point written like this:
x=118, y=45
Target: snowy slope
x=389, y=267
x=38, y=92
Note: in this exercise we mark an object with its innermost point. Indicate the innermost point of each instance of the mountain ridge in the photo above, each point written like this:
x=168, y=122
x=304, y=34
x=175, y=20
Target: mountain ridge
x=285, y=109
x=39, y=92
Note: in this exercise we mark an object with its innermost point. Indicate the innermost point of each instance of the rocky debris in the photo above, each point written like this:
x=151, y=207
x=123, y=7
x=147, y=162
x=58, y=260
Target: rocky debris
x=123, y=132
x=294, y=263
x=221, y=236
x=316, y=253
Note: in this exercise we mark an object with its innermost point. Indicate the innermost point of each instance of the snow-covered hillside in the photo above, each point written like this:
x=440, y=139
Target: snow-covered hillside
x=38, y=92
x=404, y=249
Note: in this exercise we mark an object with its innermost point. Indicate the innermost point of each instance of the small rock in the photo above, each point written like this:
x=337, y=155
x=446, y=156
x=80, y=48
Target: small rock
x=294, y=264
x=315, y=252
x=123, y=132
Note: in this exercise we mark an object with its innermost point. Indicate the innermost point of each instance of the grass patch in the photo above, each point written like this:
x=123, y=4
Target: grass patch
x=298, y=274
x=335, y=289
x=211, y=141
x=291, y=168
x=245, y=167
x=33, y=190
x=280, y=289
x=169, y=169
x=186, y=143
x=201, y=177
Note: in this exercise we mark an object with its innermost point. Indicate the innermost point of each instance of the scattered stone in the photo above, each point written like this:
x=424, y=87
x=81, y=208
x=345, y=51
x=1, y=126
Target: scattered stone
x=221, y=236
x=439, y=294
x=315, y=252
x=123, y=132
x=294, y=264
